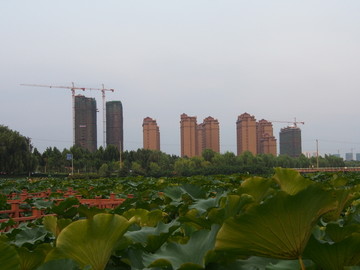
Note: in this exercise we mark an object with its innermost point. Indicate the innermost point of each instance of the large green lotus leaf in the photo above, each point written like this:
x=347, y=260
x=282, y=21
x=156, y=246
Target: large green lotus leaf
x=9, y=258
x=291, y=265
x=153, y=237
x=176, y=192
x=62, y=264
x=42, y=204
x=337, y=181
x=344, y=197
x=55, y=225
x=194, y=219
x=66, y=208
x=229, y=206
x=30, y=236
x=144, y=217
x=278, y=228
x=30, y=259
x=196, y=192
x=335, y=256
x=89, y=212
x=260, y=263
x=290, y=181
x=338, y=233
x=257, y=187
x=192, y=255
x=203, y=205
x=90, y=241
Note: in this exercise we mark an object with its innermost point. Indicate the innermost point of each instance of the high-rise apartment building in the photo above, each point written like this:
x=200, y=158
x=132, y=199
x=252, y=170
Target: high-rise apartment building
x=210, y=135
x=290, y=141
x=188, y=135
x=266, y=142
x=85, y=123
x=114, y=124
x=246, y=134
x=196, y=138
x=151, y=134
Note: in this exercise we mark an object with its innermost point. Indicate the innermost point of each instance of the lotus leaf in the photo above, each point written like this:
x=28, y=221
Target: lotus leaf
x=278, y=228
x=9, y=258
x=290, y=181
x=192, y=255
x=62, y=264
x=91, y=241
x=153, y=237
x=145, y=217
x=30, y=236
x=257, y=187
x=30, y=259
x=55, y=225
x=344, y=197
x=335, y=256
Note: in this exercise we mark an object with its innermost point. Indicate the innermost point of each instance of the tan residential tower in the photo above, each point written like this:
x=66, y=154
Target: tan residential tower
x=151, y=134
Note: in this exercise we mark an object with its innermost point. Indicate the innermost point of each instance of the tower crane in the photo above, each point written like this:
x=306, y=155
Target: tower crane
x=290, y=122
x=73, y=89
x=103, y=89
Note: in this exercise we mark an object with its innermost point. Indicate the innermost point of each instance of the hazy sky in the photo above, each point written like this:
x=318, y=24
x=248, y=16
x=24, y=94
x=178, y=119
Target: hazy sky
x=275, y=59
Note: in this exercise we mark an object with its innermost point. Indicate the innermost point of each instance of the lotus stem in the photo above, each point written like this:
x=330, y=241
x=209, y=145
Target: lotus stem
x=302, y=263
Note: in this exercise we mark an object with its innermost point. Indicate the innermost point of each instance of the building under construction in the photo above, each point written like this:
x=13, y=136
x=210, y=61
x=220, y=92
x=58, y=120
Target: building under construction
x=85, y=123
x=114, y=124
x=290, y=141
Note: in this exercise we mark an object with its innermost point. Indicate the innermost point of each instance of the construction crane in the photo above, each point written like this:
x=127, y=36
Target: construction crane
x=73, y=89
x=103, y=89
x=290, y=122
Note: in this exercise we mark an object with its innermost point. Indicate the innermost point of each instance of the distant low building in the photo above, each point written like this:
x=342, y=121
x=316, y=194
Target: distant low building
x=349, y=156
x=357, y=156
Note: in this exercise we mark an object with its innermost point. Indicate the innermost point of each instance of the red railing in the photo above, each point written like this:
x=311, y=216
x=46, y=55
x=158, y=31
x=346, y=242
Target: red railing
x=18, y=214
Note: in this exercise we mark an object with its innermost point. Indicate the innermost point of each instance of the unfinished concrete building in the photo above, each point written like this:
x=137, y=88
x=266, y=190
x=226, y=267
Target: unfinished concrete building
x=114, y=124
x=85, y=123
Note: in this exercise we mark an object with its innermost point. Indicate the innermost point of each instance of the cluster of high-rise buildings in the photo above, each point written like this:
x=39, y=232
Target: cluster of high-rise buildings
x=254, y=136
x=86, y=125
x=195, y=138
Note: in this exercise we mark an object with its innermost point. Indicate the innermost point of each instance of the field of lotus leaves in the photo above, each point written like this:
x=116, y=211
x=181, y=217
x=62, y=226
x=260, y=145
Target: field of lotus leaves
x=286, y=221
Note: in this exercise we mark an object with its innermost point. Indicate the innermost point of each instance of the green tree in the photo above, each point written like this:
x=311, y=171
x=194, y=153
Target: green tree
x=104, y=170
x=15, y=152
x=208, y=154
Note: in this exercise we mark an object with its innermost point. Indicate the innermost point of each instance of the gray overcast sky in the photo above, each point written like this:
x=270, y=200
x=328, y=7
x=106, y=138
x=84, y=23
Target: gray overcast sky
x=275, y=59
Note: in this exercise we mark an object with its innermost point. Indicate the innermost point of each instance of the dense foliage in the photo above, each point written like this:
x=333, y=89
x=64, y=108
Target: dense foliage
x=155, y=163
x=18, y=156
x=15, y=152
x=284, y=221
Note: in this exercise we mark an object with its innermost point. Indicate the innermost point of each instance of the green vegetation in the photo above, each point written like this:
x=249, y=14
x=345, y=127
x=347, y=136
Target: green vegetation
x=17, y=156
x=105, y=162
x=15, y=152
x=284, y=221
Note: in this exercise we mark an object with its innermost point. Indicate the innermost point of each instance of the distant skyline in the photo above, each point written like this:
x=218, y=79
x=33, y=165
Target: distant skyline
x=276, y=60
